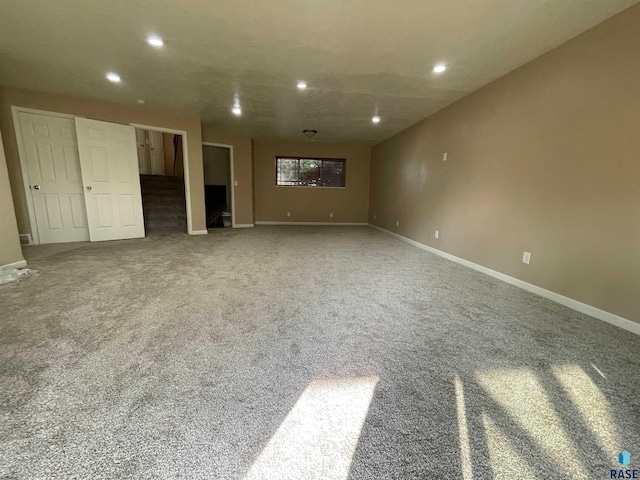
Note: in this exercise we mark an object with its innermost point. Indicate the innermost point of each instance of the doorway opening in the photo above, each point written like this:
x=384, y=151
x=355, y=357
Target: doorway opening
x=161, y=167
x=218, y=185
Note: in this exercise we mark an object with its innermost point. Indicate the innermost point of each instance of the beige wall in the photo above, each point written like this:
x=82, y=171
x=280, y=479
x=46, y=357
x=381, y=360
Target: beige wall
x=311, y=204
x=105, y=111
x=545, y=159
x=242, y=170
x=10, y=251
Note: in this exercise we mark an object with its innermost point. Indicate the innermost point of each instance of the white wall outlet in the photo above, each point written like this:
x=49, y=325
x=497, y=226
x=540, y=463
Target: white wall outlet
x=331, y=215
x=397, y=223
x=288, y=214
x=444, y=157
x=374, y=216
x=437, y=234
x=235, y=183
x=526, y=257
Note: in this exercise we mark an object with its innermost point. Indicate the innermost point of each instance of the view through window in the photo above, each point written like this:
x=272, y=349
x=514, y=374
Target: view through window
x=311, y=172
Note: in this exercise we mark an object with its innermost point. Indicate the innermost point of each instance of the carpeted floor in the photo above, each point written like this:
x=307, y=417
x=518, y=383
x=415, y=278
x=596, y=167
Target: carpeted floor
x=301, y=352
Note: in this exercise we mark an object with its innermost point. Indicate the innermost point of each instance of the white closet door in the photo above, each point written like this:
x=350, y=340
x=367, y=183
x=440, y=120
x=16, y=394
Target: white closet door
x=54, y=174
x=109, y=161
x=141, y=143
x=156, y=149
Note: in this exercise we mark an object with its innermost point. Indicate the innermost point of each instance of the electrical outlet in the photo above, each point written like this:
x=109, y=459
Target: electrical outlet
x=437, y=234
x=288, y=214
x=235, y=183
x=526, y=257
x=331, y=215
x=444, y=156
x=397, y=223
x=374, y=217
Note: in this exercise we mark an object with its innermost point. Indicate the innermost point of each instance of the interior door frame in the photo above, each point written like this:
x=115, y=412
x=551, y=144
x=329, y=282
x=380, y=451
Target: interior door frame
x=231, y=174
x=22, y=153
x=185, y=164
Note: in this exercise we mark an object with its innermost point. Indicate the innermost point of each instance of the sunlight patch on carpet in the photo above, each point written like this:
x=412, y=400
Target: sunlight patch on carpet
x=591, y=403
x=320, y=434
x=506, y=463
x=463, y=432
x=521, y=394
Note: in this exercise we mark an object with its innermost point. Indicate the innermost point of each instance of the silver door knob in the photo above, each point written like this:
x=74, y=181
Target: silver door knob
x=88, y=187
x=37, y=187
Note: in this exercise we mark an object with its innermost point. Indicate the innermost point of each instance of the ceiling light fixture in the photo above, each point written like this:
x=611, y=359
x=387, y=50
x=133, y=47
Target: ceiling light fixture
x=439, y=68
x=310, y=134
x=155, y=41
x=237, y=110
x=302, y=85
x=376, y=119
x=113, y=77
x=140, y=102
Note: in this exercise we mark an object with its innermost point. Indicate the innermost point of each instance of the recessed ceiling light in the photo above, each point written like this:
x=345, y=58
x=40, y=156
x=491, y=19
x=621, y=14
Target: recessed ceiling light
x=113, y=77
x=236, y=110
x=155, y=40
x=376, y=119
x=439, y=68
x=141, y=102
x=302, y=85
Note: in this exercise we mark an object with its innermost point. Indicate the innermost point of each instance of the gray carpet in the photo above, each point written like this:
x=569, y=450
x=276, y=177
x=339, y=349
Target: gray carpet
x=301, y=352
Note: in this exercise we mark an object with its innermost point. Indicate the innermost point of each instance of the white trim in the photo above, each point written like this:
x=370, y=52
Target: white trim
x=11, y=266
x=338, y=224
x=24, y=167
x=243, y=225
x=185, y=168
x=233, y=179
x=603, y=315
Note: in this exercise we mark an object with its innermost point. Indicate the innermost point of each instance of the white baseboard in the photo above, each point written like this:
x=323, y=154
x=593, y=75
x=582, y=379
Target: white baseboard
x=11, y=266
x=340, y=224
x=603, y=315
x=198, y=232
x=243, y=225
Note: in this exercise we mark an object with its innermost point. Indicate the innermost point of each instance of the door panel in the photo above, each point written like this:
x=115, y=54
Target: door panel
x=54, y=215
x=78, y=211
x=127, y=210
x=157, y=152
x=53, y=165
x=144, y=161
x=109, y=159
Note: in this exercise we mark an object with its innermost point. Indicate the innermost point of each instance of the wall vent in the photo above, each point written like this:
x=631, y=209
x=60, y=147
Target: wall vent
x=25, y=239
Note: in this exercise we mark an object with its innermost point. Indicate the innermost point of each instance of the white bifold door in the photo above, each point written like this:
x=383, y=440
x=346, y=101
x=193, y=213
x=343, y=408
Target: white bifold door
x=109, y=165
x=83, y=177
x=53, y=167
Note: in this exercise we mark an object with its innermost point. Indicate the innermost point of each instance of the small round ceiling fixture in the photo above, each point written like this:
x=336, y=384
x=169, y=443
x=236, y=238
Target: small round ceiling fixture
x=113, y=77
x=302, y=85
x=310, y=134
x=376, y=119
x=140, y=101
x=439, y=68
x=155, y=40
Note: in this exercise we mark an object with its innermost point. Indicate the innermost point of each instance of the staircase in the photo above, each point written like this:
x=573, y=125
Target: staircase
x=163, y=203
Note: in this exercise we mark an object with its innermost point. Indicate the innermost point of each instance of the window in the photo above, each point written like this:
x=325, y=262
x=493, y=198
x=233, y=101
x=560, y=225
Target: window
x=311, y=172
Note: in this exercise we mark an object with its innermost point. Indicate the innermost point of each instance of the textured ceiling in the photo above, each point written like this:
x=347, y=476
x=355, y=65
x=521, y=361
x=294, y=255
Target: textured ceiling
x=359, y=57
